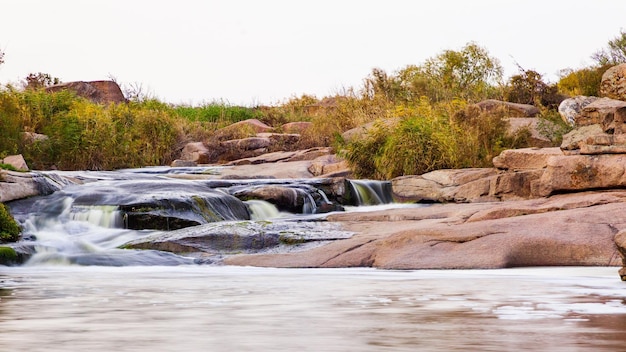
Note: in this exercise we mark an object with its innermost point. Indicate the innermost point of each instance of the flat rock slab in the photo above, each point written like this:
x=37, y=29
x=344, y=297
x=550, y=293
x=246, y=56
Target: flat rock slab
x=571, y=229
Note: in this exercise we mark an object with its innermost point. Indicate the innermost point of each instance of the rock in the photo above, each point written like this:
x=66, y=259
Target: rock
x=196, y=152
x=17, y=161
x=32, y=137
x=296, y=127
x=520, y=110
x=613, y=84
x=284, y=156
x=571, y=107
x=329, y=165
x=362, y=131
x=603, y=112
x=101, y=92
x=576, y=173
x=578, y=136
x=243, y=236
x=534, y=126
x=604, y=144
x=435, y=186
x=525, y=158
x=19, y=185
x=620, y=243
x=183, y=163
x=282, y=141
x=571, y=229
x=246, y=144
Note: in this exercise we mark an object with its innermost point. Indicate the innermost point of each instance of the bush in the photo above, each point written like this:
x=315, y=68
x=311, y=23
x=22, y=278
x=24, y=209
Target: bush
x=9, y=229
x=431, y=138
x=585, y=81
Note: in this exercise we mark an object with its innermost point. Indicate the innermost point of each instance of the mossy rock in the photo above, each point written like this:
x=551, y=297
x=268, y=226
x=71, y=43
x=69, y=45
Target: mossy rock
x=8, y=256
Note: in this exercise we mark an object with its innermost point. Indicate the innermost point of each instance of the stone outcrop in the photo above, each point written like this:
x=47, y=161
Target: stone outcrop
x=296, y=127
x=17, y=161
x=610, y=114
x=572, y=229
x=101, y=92
x=19, y=185
x=515, y=109
x=361, y=132
x=196, y=152
x=534, y=125
x=613, y=84
x=571, y=107
x=620, y=243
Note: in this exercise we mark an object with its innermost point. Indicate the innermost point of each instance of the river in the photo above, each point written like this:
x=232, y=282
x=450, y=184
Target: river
x=78, y=291
x=221, y=308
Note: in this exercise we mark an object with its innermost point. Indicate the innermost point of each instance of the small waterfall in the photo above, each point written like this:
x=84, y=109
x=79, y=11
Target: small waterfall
x=107, y=216
x=262, y=210
x=370, y=192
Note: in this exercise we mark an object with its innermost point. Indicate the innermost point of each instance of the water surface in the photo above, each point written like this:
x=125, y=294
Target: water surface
x=212, y=308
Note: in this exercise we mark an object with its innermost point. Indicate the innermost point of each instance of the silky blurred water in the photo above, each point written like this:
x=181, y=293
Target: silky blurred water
x=212, y=308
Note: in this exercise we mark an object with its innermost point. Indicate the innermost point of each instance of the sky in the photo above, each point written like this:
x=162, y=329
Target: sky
x=262, y=52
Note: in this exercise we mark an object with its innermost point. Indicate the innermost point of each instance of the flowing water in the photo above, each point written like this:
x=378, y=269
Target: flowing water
x=212, y=308
x=80, y=291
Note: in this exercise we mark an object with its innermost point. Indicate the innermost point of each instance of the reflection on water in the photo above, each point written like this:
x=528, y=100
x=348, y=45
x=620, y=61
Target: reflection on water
x=196, y=308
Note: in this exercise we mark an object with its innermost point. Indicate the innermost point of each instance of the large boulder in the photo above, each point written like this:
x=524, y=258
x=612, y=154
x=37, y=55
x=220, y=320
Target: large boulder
x=518, y=110
x=571, y=107
x=570, y=229
x=361, y=132
x=536, y=127
x=296, y=127
x=613, y=84
x=576, y=173
x=608, y=113
x=17, y=161
x=196, y=152
x=577, y=137
x=102, y=92
x=19, y=185
x=526, y=158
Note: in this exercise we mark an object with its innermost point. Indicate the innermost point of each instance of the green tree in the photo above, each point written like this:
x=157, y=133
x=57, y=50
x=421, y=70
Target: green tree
x=614, y=53
x=469, y=74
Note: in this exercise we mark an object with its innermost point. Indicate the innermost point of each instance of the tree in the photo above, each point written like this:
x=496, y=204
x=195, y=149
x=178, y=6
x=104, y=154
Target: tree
x=469, y=74
x=40, y=80
x=1, y=57
x=614, y=53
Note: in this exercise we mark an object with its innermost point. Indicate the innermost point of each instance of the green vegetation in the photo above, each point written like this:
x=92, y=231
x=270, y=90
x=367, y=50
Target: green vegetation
x=9, y=229
x=424, y=114
x=8, y=256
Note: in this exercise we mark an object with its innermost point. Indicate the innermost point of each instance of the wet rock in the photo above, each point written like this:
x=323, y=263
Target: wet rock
x=19, y=185
x=329, y=165
x=244, y=236
x=613, y=84
x=183, y=163
x=570, y=108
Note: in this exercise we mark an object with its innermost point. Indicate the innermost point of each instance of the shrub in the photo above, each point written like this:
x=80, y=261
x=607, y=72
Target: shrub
x=9, y=229
x=585, y=81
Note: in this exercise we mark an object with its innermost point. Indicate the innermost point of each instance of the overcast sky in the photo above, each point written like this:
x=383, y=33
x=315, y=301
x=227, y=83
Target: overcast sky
x=252, y=52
